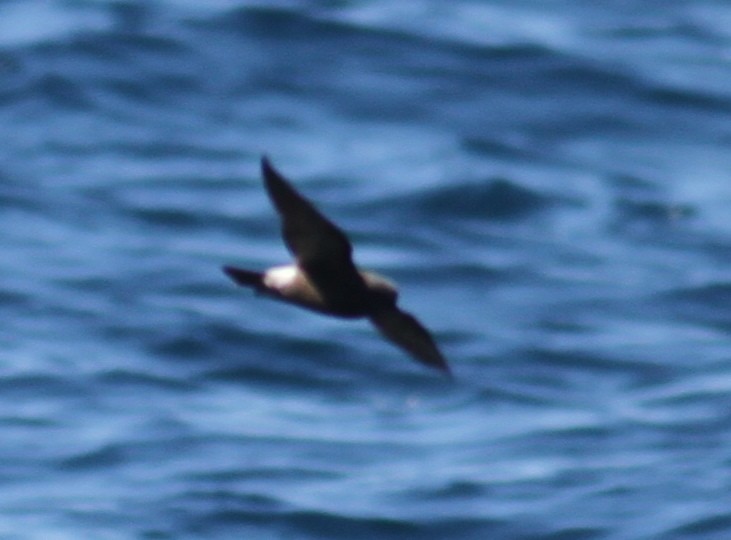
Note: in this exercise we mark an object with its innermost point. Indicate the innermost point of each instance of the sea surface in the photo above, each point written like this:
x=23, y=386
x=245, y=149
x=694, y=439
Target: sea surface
x=548, y=181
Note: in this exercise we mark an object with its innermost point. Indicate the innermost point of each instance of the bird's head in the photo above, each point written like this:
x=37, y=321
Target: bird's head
x=383, y=290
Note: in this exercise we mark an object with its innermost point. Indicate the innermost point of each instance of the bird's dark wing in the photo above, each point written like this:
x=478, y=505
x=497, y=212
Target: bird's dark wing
x=319, y=246
x=405, y=331
x=309, y=235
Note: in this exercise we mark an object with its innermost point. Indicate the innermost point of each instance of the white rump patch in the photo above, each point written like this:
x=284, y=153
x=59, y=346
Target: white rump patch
x=280, y=277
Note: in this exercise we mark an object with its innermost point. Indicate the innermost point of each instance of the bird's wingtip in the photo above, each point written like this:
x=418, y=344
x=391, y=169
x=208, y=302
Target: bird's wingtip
x=440, y=364
x=270, y=174
x=266, y=164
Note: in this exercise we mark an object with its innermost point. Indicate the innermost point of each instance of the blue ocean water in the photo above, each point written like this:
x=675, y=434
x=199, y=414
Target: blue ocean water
x=549, y=182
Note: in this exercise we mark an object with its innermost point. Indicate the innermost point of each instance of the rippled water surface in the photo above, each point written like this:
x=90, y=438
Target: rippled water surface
x=549, y=182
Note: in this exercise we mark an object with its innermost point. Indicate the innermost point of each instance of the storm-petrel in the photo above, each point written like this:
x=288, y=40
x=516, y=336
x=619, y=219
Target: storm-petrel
x=326, y=280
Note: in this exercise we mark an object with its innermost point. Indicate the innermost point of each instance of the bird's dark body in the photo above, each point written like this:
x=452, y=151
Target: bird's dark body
x=325, y=278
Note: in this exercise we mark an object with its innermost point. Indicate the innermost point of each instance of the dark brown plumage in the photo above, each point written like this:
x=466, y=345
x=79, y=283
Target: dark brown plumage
x=325, y=278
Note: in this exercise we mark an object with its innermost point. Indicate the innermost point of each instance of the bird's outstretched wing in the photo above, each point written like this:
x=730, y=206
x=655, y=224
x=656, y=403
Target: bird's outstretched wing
x=309, y=235
x=322, y=250
x=405, y=331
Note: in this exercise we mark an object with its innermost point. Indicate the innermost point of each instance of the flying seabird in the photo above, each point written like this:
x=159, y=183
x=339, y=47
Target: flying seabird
x=325, y=279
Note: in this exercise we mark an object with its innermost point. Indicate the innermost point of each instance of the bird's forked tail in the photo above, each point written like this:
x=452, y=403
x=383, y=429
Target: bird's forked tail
x=245, y=278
